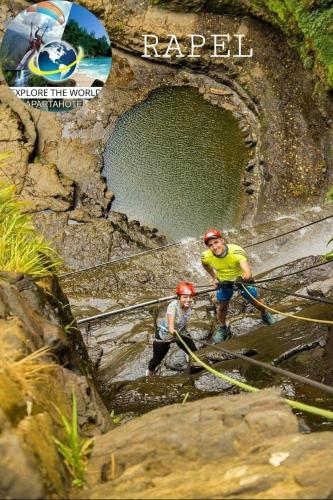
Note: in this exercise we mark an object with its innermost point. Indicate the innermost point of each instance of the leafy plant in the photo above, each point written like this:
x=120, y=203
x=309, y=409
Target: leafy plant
x=329, y=255
x=329, y=194
x=22, y=249
x=116, y=419
x=68, y=328
x=75, y=450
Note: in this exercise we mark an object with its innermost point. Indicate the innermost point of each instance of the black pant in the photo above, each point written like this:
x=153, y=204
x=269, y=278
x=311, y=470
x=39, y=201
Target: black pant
x=160, y=350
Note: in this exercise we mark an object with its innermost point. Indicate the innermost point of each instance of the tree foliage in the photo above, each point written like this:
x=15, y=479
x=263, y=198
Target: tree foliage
x=79, y=37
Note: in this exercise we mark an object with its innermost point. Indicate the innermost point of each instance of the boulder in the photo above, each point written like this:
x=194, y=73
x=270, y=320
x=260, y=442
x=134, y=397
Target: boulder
x=245, y=446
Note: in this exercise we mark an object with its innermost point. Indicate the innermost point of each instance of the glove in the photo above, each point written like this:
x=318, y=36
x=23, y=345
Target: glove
x=249, y=281
x=244, y=281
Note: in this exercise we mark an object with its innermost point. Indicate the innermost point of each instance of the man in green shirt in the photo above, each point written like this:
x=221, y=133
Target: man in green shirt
x=226, y=263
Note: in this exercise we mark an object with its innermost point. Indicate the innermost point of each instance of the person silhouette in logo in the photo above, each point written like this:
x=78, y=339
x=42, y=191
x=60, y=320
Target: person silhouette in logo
x=35, y=44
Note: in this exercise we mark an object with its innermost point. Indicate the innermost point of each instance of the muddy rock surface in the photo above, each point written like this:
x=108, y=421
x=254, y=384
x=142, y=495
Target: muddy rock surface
x=251, y=440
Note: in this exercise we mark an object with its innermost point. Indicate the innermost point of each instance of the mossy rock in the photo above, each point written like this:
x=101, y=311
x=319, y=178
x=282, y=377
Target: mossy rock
x=38, y=434
x=13, y=402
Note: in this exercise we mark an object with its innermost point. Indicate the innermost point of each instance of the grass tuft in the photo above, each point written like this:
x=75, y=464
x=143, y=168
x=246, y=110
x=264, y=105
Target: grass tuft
x=75, y=450
x=22, y=249
x=26, y=371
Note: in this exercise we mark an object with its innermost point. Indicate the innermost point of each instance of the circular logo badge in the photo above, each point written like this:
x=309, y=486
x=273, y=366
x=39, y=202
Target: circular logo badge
x=55, y=55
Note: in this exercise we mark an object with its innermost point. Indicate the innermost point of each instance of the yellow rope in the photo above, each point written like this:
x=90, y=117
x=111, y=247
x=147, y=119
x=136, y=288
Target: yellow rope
x=312, y=320
x=294, y=404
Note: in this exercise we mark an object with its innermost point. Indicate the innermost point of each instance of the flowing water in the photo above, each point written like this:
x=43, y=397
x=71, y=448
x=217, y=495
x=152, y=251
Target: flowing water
x=175, y=162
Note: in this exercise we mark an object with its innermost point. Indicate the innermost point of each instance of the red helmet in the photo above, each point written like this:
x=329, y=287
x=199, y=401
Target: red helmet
x=185, y=288
x=212, y=234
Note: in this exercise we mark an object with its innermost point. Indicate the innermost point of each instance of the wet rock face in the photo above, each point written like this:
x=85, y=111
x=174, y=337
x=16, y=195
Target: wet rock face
x=123, y=344
x=85, y=241
x=35, y=316
x=279, y=118
x=251, y=440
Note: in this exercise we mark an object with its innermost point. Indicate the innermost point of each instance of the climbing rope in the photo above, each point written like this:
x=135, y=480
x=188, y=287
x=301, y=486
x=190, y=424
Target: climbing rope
x=287, y=293
x=209, y=288
x=312, y=320
x=267, y=366
x=201, y=292
x=293, y=404
x=133, y=307
x=122, y=259
x=266, y=280
x=282, y=276
x=289, y=232
x=255, y=284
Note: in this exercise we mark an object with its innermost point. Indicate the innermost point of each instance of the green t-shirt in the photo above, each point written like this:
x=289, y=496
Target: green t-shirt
x=227, y=268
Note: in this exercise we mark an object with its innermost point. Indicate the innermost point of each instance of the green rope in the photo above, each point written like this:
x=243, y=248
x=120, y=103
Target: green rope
x=246, y=387
x=288, y=315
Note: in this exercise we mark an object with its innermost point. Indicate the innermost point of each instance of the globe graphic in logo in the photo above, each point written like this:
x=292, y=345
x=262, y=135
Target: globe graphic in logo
x=53, y=57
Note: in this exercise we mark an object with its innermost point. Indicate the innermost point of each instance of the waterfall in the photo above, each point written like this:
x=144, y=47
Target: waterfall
x=21, y=78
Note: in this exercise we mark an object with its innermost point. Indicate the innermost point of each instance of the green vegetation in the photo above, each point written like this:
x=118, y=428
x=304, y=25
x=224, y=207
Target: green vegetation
x=36, y=81
x=309, y=26
x=79, y=37
x=329, y=255
x=75, y=450
x=329, y=196
x=185, y=398
x=10, y=77
x=116, y=419
x=70, y=327
x=22, y=249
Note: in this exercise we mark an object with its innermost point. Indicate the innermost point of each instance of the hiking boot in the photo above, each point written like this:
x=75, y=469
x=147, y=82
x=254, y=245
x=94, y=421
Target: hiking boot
x=220, y=334
x=268, y=318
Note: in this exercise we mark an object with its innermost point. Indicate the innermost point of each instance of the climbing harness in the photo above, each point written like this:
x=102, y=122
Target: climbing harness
x=122, y=259
x=294, y=404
